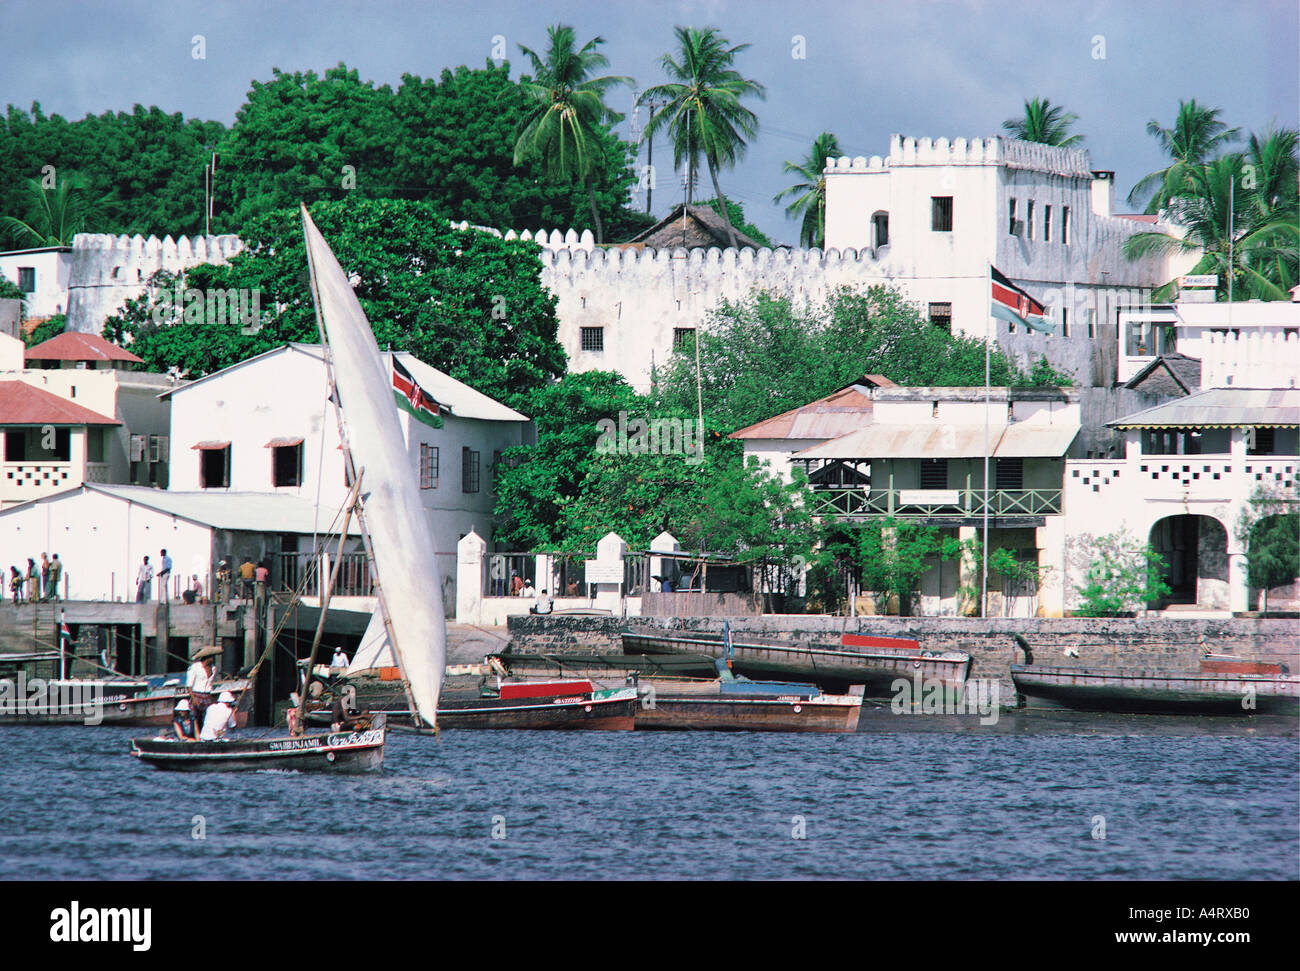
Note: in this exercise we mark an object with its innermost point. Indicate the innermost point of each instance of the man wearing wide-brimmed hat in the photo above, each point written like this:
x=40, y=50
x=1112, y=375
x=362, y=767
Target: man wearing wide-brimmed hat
x=200, y=677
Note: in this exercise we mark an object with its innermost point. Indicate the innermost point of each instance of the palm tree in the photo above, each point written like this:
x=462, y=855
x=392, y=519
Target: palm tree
x=1196, y=135
x=1045, y=123
x=1254, y=245
x=810, y=195
x=702, y=111
x=54, y=216
x=568, y=106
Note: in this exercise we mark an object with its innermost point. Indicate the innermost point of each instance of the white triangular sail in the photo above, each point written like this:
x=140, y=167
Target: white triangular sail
x=374, y=651
x=394, y=515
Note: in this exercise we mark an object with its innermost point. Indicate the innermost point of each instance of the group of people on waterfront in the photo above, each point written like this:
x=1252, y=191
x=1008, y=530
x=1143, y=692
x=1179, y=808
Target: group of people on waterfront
x=253, y=578
x=36, y=582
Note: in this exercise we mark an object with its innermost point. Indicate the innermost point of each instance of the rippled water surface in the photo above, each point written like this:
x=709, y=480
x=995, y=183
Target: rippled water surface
x=909, y=805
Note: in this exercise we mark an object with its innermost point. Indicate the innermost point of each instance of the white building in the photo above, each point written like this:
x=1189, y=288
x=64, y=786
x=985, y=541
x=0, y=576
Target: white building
x=937, y=213
x=1243, y=343
x=265, y=426
x=1187, y=475
x=108, y=424
x=42, y=275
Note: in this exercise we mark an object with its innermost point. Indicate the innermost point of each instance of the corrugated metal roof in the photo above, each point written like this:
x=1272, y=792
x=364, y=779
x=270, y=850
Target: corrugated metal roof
x=1030, y=439
x=254, y=512
x=25, y=404
x=1220, y=408
x=837, y=414
x=936, y=441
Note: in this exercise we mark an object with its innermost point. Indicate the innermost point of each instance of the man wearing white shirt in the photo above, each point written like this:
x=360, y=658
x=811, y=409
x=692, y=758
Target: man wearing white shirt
x=340, y=660
x=200, y=680
x=219, y=718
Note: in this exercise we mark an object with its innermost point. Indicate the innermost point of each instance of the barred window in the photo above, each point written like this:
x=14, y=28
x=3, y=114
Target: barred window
x=469, y=470
x=428, y=466
x=683, y=338
x=941, y=214
x=592, y=338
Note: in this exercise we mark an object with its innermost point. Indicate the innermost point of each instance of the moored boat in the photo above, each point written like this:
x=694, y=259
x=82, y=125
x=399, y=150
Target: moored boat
x=127, y=702
x=1146, y=692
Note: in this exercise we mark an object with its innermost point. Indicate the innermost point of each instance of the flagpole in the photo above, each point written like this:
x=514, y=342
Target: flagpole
x=984, y=567
x=63, y=658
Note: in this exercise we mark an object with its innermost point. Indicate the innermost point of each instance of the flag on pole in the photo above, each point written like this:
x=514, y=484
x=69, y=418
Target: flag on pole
x=1015, y=306
x=65, y=635
x=413, y=398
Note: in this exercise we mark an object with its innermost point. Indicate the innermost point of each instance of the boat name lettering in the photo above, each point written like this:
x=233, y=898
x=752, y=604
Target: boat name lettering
x=290, y=744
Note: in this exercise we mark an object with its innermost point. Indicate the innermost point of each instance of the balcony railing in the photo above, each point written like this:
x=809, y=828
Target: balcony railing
x=940, y=502
x=29, y=480
x=289, y=570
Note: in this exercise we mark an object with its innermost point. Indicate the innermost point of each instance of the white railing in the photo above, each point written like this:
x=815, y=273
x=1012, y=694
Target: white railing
x=1258, y=359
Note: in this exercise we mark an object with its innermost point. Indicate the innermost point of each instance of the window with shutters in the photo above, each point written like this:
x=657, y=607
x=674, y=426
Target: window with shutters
x=1011, y=473
x=138, y=444
x=428, y=466
x=934, y=473
x=941, y=214
x=158, y=448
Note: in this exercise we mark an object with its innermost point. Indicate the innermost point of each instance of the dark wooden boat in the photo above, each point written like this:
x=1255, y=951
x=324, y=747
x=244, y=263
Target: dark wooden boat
x=758, y=707
x=343, y=752
x=872, y=661
x=1144, y=692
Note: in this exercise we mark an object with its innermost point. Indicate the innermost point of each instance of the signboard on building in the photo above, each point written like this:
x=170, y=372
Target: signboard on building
x=598, y=572
x=1198, y=280
x=929, y=497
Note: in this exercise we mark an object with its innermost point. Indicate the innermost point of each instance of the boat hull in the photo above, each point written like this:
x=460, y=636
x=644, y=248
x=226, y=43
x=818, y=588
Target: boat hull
x=1147, y=693
x=344, y=753
x=717, y=714
x=124, y=704
x=603, y=711
x=875, y=667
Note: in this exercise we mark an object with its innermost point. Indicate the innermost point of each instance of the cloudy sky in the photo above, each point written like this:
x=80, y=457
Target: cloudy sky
x=870, y=68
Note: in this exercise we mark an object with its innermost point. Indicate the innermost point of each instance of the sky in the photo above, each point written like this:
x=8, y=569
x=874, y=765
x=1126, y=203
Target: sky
x=917, y=67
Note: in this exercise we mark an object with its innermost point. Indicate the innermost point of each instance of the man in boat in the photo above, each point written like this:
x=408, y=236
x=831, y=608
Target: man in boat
x=219, y=718
x=339, y=660
x=199, y=679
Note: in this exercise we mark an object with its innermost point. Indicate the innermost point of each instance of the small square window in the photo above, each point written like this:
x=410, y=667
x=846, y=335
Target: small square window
x=592, y=338
x=941, y=214
x=286, y=465
x=27, y=279
x=683, y=338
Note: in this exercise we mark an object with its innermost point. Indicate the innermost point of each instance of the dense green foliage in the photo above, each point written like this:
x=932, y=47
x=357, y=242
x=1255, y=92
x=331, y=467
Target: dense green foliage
x=43, y=331
x=1124, y=574
x=467, y=302
x=761, y=356
x=306, y=137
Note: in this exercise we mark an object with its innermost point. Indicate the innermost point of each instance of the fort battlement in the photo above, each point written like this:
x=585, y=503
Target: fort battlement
x=996, y=150
x=105, y=270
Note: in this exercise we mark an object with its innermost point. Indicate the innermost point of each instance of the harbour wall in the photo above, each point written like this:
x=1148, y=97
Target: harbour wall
x=1157, y=644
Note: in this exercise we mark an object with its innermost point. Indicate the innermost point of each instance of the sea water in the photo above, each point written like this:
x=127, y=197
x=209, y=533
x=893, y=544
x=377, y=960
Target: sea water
x=1074, y=799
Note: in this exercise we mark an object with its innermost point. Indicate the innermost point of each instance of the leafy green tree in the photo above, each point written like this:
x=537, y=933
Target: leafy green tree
x=10, y=291
x=1269, y=529
x=1124, y=574
x=808, y=198
x=465, y=301
x=703, y=114
x=538, y=486
x=761, y=355
x=567, y=106
x=52, y=327
x=1045, y=123
x=889, y=555
x=1195, y=137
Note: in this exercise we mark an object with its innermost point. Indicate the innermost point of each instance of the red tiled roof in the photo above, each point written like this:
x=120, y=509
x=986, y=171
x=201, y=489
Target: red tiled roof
x=1136, y=217
x=837, y=414
x=23, y=404
x=73, y=346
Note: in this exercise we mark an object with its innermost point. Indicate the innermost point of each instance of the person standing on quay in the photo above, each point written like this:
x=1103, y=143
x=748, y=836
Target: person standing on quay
x=56, y=574
x=246, y=571
x=33, y=581
x=262, y=575
x=45, y=577
x=164, y=576
x=143, y=582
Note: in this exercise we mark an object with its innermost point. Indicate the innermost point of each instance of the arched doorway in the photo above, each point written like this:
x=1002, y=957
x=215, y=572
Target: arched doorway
x=1195, y=553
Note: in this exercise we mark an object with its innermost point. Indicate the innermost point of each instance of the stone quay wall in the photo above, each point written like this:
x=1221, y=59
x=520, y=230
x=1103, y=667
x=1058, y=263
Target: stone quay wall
x=1158, y=644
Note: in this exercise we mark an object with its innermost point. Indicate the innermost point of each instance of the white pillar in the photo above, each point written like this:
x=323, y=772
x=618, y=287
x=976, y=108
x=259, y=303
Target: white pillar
x=1051, y=555
x=665, y=542
x=471, y=577
x=1238, y=586
x=609, y=555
